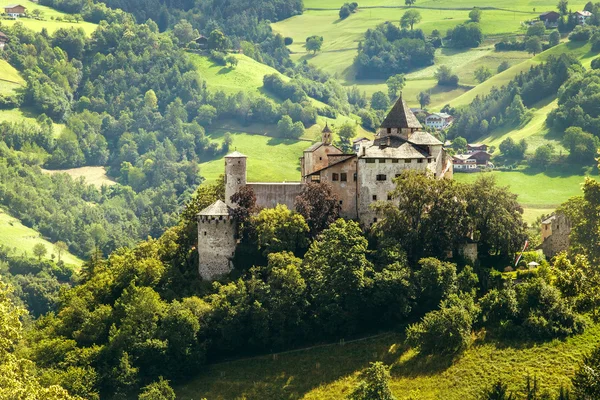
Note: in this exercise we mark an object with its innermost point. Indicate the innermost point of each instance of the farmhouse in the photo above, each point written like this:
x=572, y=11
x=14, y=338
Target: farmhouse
x=475, y=147
x=359, y=179
x=202, y=42
x=438, y=120
x=471, y=162
x=14, y=10
x=3, y=40
x=550, y=19
x=582, y=17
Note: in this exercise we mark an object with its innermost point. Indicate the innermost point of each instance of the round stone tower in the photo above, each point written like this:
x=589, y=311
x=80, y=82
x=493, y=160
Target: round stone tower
x=235, y=174
x=216, y=240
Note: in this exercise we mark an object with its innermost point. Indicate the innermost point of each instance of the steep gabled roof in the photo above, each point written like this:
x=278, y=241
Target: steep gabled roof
x=341, y=159
x=216, y=209
x=423, y=139
x=401, y=117
x=13, y=6
x=326, y=129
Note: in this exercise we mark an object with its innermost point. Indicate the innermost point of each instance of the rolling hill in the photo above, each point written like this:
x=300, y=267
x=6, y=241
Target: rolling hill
x=16, y=236
x=51, y=19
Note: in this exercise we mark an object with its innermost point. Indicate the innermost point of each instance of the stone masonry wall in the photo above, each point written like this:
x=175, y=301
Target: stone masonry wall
x=216, y=246
x=268, y=195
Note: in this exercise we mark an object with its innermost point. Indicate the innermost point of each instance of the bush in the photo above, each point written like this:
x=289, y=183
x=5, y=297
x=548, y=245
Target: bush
x=288, y=40
x=581, y=33
x=345, y=11
x=218, y=57
x=466, y=35
x=596, y=63
x=445, y=76
x=444, y=331
x=504, y=65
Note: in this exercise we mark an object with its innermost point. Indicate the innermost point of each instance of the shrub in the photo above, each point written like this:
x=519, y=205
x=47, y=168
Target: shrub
x=288, y=40
x=504, y=65
x=444, y=331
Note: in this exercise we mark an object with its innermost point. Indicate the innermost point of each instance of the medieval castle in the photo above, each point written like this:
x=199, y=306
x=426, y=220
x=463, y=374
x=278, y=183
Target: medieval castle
x=359, y=179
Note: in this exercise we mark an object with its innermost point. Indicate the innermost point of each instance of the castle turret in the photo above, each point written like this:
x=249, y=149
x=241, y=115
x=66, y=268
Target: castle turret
x=216, y=240
x=235, y=175
x=400, y=121
x=326, y=135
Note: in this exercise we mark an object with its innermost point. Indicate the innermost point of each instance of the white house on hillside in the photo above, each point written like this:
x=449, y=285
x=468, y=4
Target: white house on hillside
x=438, y=120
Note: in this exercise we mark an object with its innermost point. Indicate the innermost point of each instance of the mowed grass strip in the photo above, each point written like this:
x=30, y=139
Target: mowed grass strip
x=331, y=372
x=16, y=236
x=92, y=175
x=48, y=13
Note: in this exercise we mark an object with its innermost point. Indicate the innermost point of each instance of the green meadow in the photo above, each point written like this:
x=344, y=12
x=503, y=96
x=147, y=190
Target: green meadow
x=48, y=21
x=21, y=239
x=9, y=78
x=269, y=159
x=331, y=372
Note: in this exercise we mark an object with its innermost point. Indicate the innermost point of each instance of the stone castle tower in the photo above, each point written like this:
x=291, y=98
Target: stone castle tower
x=235, y=175
x=216, y=240
x=217, y=227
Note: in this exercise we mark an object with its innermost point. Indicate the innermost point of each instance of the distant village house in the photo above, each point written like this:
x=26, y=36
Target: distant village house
x=3, y=40
x=476, y=158
x=14, y=10
x=438, y=120
x=550, y=19
x=582, y=17
x=202, y=42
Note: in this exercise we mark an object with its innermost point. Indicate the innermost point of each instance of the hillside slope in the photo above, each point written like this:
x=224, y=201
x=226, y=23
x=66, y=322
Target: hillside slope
x=330, y=372
x=52, y=19
x=16, y=236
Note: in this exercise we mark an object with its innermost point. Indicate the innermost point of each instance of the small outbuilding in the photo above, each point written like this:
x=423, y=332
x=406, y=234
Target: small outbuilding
x=202, y=42
x=15, y=10
x=550, y=18
x=3, y=40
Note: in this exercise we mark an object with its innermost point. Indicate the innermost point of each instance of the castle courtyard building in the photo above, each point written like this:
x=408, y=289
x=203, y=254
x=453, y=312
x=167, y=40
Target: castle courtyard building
x=359, y=179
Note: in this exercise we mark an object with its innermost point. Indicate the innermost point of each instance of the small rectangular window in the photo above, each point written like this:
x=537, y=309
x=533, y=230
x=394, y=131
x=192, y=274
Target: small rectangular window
x=382, y=161
x=381, y=177
x=335, y=177
x=389, y=130
x=369, y=160
x=407, y=161
x=420, y=160
x=355, y=177
x=389, y=196
x=341, y=202
x=343, y=177
x=394, y=161
x=374, y=197
x=315, y=178
x=429, y=160
x=375, y=219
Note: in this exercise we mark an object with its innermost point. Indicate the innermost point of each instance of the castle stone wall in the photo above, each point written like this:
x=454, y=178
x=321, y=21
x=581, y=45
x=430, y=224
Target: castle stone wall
x=268, y=195
x=216, y=245
x=555, y=235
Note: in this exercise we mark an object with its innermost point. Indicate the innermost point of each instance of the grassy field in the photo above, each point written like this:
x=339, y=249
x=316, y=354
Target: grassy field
x=269, y=159
x=24, y=115
x=93, y=175
x=330, y=372
x=49, y=18
x=16, y=236
x=521, y=5
x=9, y=78
x=539, y=193
x=535, y=132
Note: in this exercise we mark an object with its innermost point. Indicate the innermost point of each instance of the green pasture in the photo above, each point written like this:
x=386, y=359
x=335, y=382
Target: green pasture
x=520, y=5
x=269, y=159
x=16, y=236
x=247, y=76
x=535, y=132
x=48, y=21
x=26, y=115
x=539, y=192
x=9, y=78
x=330, y=372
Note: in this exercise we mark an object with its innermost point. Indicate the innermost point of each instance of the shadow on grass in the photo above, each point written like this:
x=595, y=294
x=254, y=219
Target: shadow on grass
x=561, y=171
x=288, y=375
x=421, y=365
x=224, y=70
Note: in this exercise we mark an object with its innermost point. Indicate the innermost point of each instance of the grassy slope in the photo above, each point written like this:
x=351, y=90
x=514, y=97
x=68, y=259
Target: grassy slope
x=17, y=236
x=9, y=78
x=48, y=23
x=93, y=175
x=331, y=372
x=269, y=159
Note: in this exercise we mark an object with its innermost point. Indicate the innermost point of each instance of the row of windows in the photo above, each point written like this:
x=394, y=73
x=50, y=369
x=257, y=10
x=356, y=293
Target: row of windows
x=395, y=160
